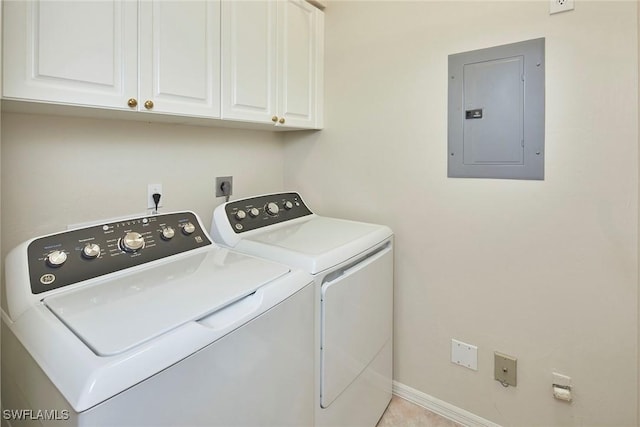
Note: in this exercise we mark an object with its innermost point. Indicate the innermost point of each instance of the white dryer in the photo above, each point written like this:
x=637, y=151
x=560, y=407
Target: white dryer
x=144, y=322
x=352, y=264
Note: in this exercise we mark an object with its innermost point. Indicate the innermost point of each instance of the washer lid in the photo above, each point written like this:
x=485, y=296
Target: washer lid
x=315, y=244
x=117, y=314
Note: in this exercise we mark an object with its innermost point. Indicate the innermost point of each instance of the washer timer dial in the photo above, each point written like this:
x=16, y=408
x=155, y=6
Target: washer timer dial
x=132, y=242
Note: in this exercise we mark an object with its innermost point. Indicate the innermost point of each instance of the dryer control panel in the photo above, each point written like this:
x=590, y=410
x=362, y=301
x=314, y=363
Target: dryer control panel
x=72, y=256
x=262, y=211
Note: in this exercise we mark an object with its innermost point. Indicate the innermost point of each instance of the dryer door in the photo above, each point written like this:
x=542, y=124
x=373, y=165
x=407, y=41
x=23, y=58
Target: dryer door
x=357, y=319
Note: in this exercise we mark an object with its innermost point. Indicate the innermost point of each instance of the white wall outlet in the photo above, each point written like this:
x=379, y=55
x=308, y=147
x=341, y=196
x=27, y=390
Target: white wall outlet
x=151, y=190
x=464, y=354
x=557, y=6
x=561, y=380
x=562, y=389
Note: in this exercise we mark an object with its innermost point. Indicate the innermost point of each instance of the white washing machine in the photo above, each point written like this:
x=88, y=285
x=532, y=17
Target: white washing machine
x=145, y=322
x=352, y=264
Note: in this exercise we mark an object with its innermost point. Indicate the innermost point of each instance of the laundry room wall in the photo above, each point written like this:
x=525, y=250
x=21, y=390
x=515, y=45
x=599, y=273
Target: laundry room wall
x=545, y=271
x=1, y=263
x=60, y=170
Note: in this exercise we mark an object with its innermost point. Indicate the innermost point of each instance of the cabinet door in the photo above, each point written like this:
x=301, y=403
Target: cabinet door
x=180, y=57
x=300, y=54
x=248, y=60
x=76, y=52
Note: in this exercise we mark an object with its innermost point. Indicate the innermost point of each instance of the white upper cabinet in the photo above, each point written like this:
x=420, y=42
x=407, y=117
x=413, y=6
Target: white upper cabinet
x=180, y=57
x=71, y=52
x=88, y=53
x=300, y=64
x=272, y=59
x=249, y=61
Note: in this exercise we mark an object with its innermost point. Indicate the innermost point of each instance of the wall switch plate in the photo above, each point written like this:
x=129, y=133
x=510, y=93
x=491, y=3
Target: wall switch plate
x=219, y=181
x=557, y=6
x=151, y=190
x=464, y=354
x=505, y=369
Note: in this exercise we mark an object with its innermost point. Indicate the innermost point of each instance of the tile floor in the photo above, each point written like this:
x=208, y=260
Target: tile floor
x=402, y=413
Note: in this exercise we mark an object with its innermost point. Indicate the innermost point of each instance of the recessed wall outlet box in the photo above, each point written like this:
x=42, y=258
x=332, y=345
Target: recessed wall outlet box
x=464, y=354
x=151, y=190
x=219, y=181
x=557, y=6
x=505, y=369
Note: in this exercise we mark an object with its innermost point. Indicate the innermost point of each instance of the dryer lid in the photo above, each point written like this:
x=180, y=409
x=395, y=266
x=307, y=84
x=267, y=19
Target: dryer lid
x=315, y=244
x=118, y=314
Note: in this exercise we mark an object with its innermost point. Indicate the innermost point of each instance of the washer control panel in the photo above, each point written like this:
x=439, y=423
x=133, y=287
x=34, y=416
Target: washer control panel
x=262, y=211
x=72, y=256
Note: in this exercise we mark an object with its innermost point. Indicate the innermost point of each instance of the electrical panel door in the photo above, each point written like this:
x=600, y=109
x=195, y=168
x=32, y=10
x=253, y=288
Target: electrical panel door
x=493, y=103
x=496, y=112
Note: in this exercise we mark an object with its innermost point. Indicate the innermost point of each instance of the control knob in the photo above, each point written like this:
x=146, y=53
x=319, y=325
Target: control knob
x=272, y=209
x=188, y=228
x=132, y=242
x=288, y=205
x=167, y=233
x=91, y=251
x=56, y=258
x=254, y=212
x=240, y=215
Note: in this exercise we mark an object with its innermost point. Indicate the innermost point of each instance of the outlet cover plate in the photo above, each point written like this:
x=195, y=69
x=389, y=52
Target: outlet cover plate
x=464, y=354
x=505, y=369
x=219, y=181
x=151, y=190
x=557, y=6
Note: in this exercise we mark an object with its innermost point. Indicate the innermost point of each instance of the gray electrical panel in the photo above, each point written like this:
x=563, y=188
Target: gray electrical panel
x=496, y=112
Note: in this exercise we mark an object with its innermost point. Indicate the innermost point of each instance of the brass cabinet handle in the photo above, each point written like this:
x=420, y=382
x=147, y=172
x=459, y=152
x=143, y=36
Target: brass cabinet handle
x=132, y=102
x=148, y=104
x=281, y=121
x=274, y=119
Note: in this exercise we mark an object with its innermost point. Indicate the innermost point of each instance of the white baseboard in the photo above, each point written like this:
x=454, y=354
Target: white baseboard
x=440, y=407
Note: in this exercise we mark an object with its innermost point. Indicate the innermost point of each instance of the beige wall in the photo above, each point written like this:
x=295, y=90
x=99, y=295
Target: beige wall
x=546, y=271
x=61, y=170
